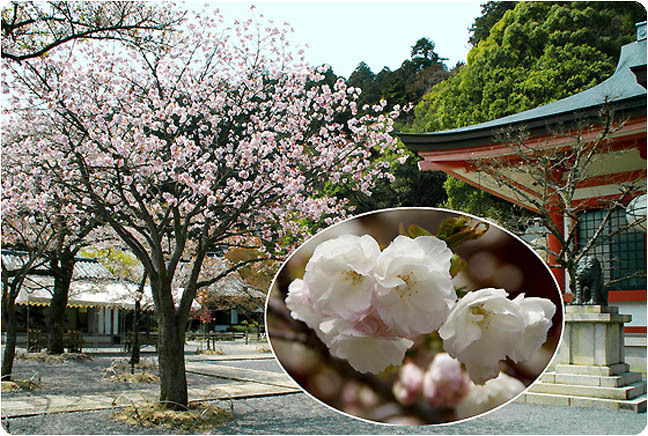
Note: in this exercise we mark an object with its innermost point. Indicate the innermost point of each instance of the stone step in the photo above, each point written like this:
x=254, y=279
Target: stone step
x=597, y=392
x=613, y=381
x=636, y=405
x=602, y=370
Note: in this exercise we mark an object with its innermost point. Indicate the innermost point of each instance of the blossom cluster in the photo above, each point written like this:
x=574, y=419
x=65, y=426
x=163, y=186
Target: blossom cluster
x=445, y=384
x=368, y=305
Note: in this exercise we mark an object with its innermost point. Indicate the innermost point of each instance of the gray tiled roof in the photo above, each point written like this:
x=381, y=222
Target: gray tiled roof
x=85, y=268
x=233, y=286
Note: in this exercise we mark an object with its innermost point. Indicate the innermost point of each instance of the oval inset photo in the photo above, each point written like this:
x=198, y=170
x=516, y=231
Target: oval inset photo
x=414, y=316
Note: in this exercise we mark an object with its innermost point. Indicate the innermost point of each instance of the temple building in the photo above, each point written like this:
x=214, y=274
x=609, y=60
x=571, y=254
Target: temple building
x=463, y=152
x=100, y=306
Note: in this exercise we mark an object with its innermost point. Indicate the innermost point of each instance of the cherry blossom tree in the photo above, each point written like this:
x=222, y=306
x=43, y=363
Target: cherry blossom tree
x=32, y=29
x=22, y=231
x=224, y=136
x=39, y=222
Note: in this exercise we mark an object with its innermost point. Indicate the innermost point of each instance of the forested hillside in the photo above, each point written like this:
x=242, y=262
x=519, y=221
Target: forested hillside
x=536, y=53
x=404, y=86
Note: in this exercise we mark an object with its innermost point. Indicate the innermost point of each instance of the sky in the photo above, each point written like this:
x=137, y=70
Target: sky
x=381, y=33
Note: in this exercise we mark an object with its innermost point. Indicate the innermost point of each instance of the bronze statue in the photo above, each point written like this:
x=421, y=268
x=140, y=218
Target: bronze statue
x=589, y=282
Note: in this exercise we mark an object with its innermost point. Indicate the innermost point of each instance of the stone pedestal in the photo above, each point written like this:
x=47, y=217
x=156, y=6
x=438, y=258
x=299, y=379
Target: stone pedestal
x=591, y=369
x=593, y=336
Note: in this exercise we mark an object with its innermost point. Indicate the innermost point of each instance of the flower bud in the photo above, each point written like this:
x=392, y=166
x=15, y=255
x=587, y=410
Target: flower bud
x=445, y=383
x=408, y=385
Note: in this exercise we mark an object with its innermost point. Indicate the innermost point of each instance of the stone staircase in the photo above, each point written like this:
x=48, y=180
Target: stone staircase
x=591, y=371
x=620, y=389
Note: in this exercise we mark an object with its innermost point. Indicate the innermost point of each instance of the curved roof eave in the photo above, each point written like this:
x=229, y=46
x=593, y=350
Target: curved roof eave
x=621, y=89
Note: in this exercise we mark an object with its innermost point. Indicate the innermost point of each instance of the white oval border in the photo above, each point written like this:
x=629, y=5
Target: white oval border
x=435, y=209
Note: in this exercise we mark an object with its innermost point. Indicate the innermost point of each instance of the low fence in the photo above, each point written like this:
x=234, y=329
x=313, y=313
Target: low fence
x=35, y=340
x=73, y=341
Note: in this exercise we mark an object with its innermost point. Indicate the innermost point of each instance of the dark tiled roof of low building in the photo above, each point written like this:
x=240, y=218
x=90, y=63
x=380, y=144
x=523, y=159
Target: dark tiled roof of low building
x=85, y=268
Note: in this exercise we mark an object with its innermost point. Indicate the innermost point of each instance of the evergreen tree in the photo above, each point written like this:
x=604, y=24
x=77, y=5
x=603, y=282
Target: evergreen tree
x=491, y=13
x=405, y=85
x=537, y=53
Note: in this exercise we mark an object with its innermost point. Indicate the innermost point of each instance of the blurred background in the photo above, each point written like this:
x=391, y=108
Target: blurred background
x=497, y=259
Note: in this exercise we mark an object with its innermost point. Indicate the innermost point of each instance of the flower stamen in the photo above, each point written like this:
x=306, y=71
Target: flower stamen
x=408, y=287
x=484, y=321
x=353, y=277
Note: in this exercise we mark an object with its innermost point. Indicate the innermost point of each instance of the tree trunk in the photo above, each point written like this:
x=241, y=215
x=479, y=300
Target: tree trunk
x=173, y=380
x=9, y=322
x=571, y=273
x=62, y=271
x=135, y=350
x=135, y=345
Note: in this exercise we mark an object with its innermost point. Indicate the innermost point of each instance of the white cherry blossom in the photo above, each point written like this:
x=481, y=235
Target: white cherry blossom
x=538, y=313
x=485, y=327
x=366, y=305
x=364, y=352
x=339, y=275
x=415, y=289
x=482, y=398
x=301, y=306
x=481, y=329
x=367, y=343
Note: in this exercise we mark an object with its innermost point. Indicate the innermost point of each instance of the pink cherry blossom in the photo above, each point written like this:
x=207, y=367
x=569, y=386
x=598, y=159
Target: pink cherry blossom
x=212, y=141
x=409, y=383
x=445, y=383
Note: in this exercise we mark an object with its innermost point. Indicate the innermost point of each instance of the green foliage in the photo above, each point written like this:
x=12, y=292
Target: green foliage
x=363, y=78
x=536, y=53
x=456, y=231
x=411, y=187
x=413, y=231
x=122, y=264
x=423, y=51
x=490, y=14
x=405, y=85
x=238, y=328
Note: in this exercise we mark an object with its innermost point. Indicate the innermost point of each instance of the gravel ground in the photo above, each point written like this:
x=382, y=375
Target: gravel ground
x=291, y=414
x=299, y=414
x=64, y=378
